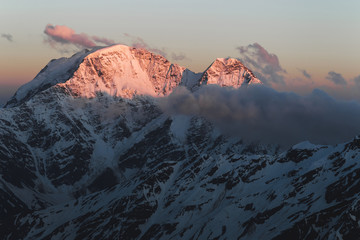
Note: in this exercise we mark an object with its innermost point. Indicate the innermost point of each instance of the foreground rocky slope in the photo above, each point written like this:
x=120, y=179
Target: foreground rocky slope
x=87, y=153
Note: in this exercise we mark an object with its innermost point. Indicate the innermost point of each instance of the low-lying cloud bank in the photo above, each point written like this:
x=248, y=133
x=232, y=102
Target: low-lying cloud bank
x=259, y=113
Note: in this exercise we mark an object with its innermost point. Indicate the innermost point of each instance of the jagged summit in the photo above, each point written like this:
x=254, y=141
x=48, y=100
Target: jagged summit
x=124, y=71
x=228, y=72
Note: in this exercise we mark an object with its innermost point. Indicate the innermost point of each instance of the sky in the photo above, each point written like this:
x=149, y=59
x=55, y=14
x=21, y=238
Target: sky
x=292, y=45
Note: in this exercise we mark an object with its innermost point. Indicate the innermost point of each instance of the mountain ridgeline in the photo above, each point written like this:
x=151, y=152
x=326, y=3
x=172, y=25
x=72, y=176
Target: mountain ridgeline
x=86, y=152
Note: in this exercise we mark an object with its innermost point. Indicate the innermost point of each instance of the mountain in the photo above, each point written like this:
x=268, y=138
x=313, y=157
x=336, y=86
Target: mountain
x=86, y=152
x=122, y=71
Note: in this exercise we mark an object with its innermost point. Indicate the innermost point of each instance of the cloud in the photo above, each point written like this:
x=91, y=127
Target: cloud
x=60, y=34
x=65, y=40
x=305, y=73
x=261, y=113
x=66, y=35
x=103, y=40
x=8, y=37
x=265, y=65
x=336, y=78
x=138, y=42
x=178, y=57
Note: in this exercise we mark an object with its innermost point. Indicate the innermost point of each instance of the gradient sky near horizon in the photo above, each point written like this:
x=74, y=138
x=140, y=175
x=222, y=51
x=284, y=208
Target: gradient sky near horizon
x=315, y=42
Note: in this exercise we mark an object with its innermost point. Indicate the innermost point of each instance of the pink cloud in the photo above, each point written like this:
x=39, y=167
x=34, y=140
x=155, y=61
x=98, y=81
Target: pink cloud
x=103, y=40
x=66, y=35
x=60, y=34
x=266, y=57
x=65, y=40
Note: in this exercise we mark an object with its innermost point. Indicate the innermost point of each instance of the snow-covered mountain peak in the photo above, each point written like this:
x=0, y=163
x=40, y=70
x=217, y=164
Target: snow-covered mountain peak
x=117, y=70
x=228, y=72
x=124, y=71
x=56, y=71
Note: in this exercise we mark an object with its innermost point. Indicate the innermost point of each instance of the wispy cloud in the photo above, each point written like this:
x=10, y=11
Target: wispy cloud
x=178, y=57
x=139, y=42
x=305, y=73
x=336, y=78
x=265, y=65
x=60, y=34
x=66, y=35
x=8, y=37
x=261, y=113
x=103, y=40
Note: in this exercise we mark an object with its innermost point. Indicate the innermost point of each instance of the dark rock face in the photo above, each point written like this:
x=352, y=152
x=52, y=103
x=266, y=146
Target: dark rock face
x=71, y=172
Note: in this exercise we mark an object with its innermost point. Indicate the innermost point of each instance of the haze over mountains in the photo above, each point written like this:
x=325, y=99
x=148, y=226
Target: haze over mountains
x=119, y=143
